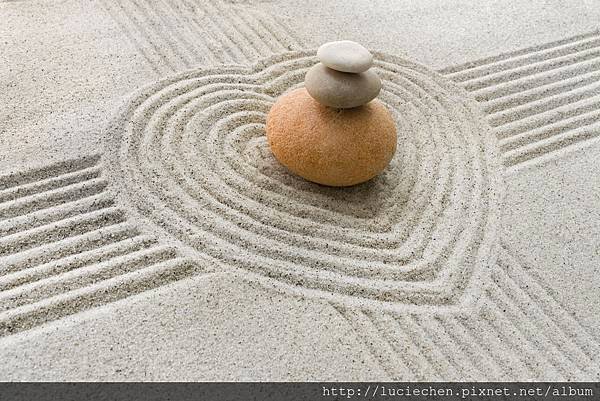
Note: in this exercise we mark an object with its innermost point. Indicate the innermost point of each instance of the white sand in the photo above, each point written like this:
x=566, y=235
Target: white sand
x=156, y=253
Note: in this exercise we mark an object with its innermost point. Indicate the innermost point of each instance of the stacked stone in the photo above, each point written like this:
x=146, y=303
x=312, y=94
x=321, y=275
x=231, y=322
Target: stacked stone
x=334, y=132
x=343, y=78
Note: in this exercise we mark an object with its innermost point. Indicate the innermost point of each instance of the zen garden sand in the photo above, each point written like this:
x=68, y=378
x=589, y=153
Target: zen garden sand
x=147, y=231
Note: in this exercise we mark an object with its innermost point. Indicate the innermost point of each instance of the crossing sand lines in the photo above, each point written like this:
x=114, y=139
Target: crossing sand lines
x=189, y=153
x=521, y=332
x=65, y=246
x=176, y=35
x=541, y=100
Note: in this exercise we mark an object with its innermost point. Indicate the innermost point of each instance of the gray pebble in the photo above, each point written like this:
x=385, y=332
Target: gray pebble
x=345, y=56
x=341, y=90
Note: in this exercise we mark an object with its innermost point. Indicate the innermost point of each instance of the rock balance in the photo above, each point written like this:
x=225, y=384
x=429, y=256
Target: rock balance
x=343, y=78
x=334, y=132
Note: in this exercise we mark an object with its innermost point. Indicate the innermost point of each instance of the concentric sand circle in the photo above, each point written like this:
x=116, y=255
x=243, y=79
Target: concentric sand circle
x=190, y=156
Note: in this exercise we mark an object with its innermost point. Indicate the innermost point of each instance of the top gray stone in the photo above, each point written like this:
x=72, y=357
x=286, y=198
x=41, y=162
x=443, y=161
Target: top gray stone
x=345, y=56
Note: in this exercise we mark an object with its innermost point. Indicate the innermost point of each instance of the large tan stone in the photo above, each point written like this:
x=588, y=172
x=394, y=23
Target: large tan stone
x=336, y=147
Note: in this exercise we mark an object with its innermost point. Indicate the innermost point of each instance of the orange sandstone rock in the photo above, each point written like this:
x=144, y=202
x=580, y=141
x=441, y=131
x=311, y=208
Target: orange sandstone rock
x=336, y=147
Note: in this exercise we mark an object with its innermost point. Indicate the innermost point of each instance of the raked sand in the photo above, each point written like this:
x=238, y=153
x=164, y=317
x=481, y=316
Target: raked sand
x=147, y=232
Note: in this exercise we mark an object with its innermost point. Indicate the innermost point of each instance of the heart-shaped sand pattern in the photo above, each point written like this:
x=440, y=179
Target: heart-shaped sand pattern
x=189, y=156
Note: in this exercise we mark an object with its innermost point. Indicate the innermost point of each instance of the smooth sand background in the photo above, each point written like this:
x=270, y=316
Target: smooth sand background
x=66, y=66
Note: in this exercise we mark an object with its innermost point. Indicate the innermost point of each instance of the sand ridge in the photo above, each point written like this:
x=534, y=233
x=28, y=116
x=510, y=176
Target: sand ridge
x=542, y=101
x=73, y=246
x=65, y=246
x=520, y=331
x=167, y=33
x=193, y=149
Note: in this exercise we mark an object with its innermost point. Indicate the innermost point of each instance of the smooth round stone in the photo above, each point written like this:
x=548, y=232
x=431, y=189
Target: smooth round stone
x=329, y=146
x=341, y=90
x=345, y=56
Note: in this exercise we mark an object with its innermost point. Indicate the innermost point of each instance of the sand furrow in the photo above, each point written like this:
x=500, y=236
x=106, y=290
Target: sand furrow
x=579, y=119
x=242, y=30
x=476, y=335
x=498, y=58
x=228, y=30
x=45, y=200
x=531, y=82
x=552, y=144
x=99, y=293
x=61, y=236
x=55, y=213
x=403, y=346
x=547, y=104
x=49, y=171
x=529, y=359
x=540, y=92
x=541, y=318
x=542, y=101
x=268, y=43
x=506, y=339
x=61, y=263
x=182, y=29
x=529, y=58
x=564, y=347
x=408, y=259
x=537, y=68
x=162, y=22
x=473, y=357
x=211, y=26
x=38, y=236
x=141, y=36
x=215, y=193
x=548, y=118
x=445, y=364
x=279, y=32
x=537, y=290
x=174, y=36
x=236, y=209
x=32, y=188
x=489, y=337
x=85, y=275
x=376, y=344
x=115, y=13
x=561, y=361
x=524, y=339
x=67, y=245
x=149, y=31
x=461, y=362
x=198, y=28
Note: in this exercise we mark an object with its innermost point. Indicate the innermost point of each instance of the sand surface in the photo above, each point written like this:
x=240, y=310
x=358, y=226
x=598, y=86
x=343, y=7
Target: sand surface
x=147, y=233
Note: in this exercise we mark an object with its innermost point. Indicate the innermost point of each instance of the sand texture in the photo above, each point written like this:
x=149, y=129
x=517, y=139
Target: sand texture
x=148, y=233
